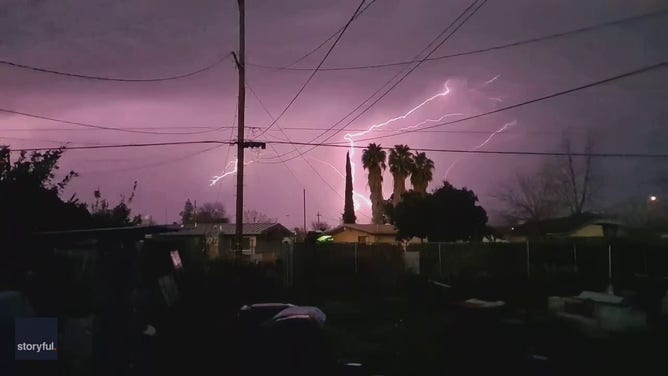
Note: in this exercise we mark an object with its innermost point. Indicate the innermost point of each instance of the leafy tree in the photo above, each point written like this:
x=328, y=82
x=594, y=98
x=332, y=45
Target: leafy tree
x=254, y=216
x=30, y=195
x=401, y=166
x=103, y=215
x=409, y=216
x=349, y=206
x=423, y=172
x=211, y=212
x=447, y=214
x=373, y=160
x=188, y=213
x=456, y=215
x=30, y=202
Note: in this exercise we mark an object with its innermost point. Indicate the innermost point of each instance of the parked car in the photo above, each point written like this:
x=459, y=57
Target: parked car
x=283, y=338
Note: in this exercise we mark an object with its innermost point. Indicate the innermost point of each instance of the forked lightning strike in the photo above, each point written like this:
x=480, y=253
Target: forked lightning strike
x=225, y=173
x=482, y=144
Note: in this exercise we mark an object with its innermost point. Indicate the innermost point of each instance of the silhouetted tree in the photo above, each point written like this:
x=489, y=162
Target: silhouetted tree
x=211, y=212
x=103, y=215
x=447, y=214
x=188, y=213
x=349, y=206
x=254, y=216
x=30, y=202
x=422, y=173
x=373, y=160
x=401, y=165
x=320, y=226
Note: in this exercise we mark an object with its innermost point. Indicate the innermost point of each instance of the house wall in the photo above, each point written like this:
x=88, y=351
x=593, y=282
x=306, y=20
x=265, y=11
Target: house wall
x=352, y=236
x=589, y=231
x=226, y=243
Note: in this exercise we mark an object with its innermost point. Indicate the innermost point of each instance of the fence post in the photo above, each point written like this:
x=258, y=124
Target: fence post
x=528, y=262
x=355, y=258
x=610, y=288
x=440, y=262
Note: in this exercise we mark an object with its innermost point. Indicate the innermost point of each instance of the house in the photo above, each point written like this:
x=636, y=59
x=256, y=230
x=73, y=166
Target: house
x=586, y=225
x=261, y=241
x=364, y=234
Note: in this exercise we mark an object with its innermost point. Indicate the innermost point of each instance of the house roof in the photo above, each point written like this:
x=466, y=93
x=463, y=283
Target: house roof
x=367, y=228
x=562, y=225
x=229, y=229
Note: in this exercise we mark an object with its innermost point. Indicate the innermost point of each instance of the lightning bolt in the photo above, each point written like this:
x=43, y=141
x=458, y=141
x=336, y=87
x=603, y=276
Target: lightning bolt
x=482, y=144
x=216, y=178
x=490, y=80
x=428, y=121
x=350, y=137
x=357, y=197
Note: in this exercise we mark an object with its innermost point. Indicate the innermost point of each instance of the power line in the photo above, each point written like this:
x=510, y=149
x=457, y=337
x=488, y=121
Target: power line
x=456, y=151
x=322, y=61
x=314, y=50
x=411, y=70
x=103, y=127
x=156, y=164
x=339, y=145
x=454, y=131
x=89, y=129
x=481, y=50
x=117, y=79
x=521, y=104
x=288, y=140
x=124, y=146
x=503, y=152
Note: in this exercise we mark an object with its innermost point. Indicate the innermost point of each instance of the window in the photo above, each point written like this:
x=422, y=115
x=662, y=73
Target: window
x=362, y=239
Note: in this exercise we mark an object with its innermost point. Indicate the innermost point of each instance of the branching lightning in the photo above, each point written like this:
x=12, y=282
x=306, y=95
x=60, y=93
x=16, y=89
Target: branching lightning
x=482, y=144
x=350, y=137
x=357, y=197
x=428, y=121
x=231, y=164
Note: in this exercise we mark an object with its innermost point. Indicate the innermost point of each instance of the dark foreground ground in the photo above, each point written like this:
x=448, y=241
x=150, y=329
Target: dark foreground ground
x=415, y=328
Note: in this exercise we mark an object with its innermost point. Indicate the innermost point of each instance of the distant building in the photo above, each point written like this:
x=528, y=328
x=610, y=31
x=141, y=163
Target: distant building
x=582, y=226
x=364, y=234
x=261, y=241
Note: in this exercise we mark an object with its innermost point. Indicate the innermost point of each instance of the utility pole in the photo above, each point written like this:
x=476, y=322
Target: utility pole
x=304, y=213
x=240, y=134
x=318, y=215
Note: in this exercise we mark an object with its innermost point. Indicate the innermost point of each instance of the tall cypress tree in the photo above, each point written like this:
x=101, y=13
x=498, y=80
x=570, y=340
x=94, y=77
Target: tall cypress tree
x=349, y=207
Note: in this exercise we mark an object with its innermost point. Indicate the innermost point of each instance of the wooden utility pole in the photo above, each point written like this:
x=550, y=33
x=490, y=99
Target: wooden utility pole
x=305, y=213
x=240, y=134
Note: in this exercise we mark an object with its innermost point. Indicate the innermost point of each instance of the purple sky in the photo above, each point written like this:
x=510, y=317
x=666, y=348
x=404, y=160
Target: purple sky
x=149, y=38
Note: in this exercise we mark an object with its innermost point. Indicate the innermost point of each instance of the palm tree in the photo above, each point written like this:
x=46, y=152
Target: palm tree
x=423, y=172
x=401, y=166
x=373, y=160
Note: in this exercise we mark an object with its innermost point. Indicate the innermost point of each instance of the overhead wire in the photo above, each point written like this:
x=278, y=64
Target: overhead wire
x=266, y=110
x=116, y=79
x=480, y=50
x=344, y=145
x=318, y=47
x=406, y=74
x=308, y=80
x=461, y=151
x=103, y=127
